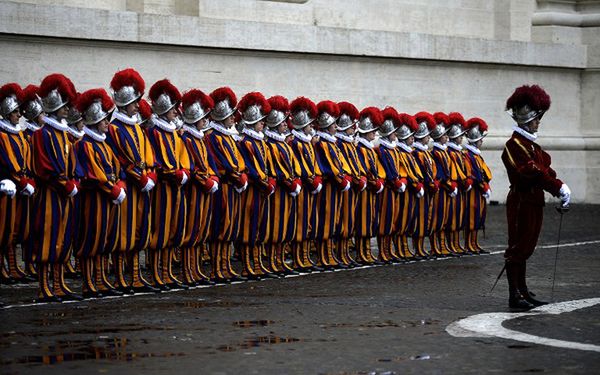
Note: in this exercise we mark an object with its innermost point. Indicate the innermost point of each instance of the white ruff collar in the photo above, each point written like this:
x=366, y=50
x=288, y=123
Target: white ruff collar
x=10, y=128
x=531, y=136
x=345, y=137
x=328, y=137
x=440, y=146
x=473, y=149
x=253, y=134
x=405, y=147
x=221, y=129
x=166, y=126
x=62, y=125
x=75, y=133
x=387, y=144
x=273, y=135
x=454, y=146
x=31, y=126
x=365, y=142
x=125, y=119
x=193, y=131
x=92, y=134
x=420, y=146
x=301, y=136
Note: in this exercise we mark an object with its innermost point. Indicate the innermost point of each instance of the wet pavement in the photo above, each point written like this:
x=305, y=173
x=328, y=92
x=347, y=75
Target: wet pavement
x=377, y=320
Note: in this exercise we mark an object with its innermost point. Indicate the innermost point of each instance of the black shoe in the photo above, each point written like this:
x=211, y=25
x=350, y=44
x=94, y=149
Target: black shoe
x=69, y=296
x=89, y=294
x=291, y=272
x=205, y=282
x=238, y=278
x=270, y=276
x=481, y=251
x=146, y=289
x=111, y=293
x=221, y=280
x=342, y=266
x=48, y=299
x=528, y=296
x=126, y=290
x=177, y=285
x=519, y=303
x=316, y=268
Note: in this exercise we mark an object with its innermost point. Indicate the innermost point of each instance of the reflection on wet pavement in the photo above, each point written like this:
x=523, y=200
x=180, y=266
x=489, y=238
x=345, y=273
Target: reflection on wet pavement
x=258, y=341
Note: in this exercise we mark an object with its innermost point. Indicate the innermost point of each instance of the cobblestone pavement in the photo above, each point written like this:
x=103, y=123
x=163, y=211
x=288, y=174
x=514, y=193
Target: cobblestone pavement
x=386, y=319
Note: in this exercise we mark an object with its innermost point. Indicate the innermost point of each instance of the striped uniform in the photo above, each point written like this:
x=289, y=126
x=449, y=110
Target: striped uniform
x=407, y=201
x=367, y=218
x=134, y=152
x=446, y=175
x=423, y=207
x=476, y=205
x=458, y=205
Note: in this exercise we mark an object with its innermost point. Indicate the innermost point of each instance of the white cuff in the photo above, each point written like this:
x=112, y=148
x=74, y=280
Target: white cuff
x=74, y=192
x=380, y=189
x=214, y=188
x=28, y=190
x=184, y=179
x=121, y=197
x=241, y=189
x=8, y=187
x=149, y=185
x=421, y=193
x=317, y=189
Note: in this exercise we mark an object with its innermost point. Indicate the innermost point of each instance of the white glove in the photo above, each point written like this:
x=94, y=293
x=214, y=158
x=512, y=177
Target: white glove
x=487, y=194
x=421, y=193
x=214, y=188
x=184, y=179
x=402, y=188
x=28, y=190
x=380, y=189
x=347, y=187
x=454, y=192
x=318, y=189
x=469, y=188
x=8, y=187
x=149, y=186
x=565, y=195
x=121, y=197
x=297, y=191
x=74, y=192
x=241, y=189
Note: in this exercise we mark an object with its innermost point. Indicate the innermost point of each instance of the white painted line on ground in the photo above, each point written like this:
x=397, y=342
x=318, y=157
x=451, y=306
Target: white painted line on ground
x=570, y=244
x=490, y=325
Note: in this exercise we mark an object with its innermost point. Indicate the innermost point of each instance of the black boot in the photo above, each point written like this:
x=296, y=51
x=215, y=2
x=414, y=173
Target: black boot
x=527, y=295
x=515, y=300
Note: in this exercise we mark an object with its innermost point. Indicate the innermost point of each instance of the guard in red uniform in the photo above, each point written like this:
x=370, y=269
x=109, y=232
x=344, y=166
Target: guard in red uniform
x=530, y=174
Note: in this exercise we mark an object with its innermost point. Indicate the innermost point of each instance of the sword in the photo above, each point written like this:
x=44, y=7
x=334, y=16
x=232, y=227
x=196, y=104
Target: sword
x=498, y=278
x=561, y=210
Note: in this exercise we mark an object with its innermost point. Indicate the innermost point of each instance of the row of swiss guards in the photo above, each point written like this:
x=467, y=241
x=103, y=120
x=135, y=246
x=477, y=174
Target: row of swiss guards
x=90, y=181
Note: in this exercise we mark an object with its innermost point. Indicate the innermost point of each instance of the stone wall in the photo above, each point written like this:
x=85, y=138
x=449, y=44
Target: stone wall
x=319, y=49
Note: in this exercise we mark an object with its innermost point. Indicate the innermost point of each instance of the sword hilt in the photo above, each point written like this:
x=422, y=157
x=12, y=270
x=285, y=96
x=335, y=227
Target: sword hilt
x=562, y=209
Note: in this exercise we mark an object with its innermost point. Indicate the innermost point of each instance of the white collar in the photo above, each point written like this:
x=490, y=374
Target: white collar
x=531, y=136
x=95, y=136
x=301, y=136
x=405, y=147
x=221, y=129
x=7, y=126
x=387, y=144
x=193, y=131
x=31, y=126
x=440, y=146
x=166, y=126
x=274, y=135
x=326, y=136
x=345, y=137
x=420, y=146
x=125, y=119
x=454, y=146
x=253, y=134
x=473, y=149
x=62, y=125
x=365, y=142
x=74, y=132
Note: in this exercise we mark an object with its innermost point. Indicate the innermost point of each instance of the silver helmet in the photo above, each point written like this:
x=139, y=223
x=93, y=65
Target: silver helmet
x=128, y=86
x=439, y=130
x=94, y=105
x=348, y=116
x=403, y=132
x=53, y=101
x=164, y=96
x=73, y=117
x=9, y=102
x=525, y=114
x=196, y=106
x=163, y=104
x=253, y=107
x=528, y=103
x=303, y=112
x=225, y=103
x=194, y=113
x=422, y=131
x=369, y=120
x=95, y=113
x=31, y=109
x=328, y=113
x=345, y=122
x=56, y=91
x=455, y=131
x=275, y=117
x=325, y=120
x=365, y=125
x=456, y=124
x=387, y=128
x=477, y=129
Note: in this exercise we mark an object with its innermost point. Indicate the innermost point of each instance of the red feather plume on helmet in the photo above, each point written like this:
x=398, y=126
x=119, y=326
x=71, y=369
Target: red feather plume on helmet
x=65, y=87
x=329, y=107
x=427, y=118
x=30, y=93
x=164, y=86
x=196, y=95
x=441, y=118
x=279, y=103
x=12, y=89
x=476, y=121
x=303, y=103
x=90, y=96
x=534, y=96
x=348, y=109
x=145, y=109
x=128, y=77
x=408, y=120
x=223, y=93
x=390, y=113
x=456, y=118
x=374, y=114
x=255, y=98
